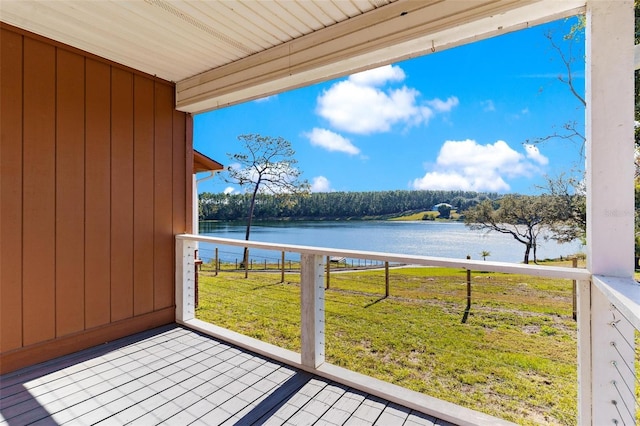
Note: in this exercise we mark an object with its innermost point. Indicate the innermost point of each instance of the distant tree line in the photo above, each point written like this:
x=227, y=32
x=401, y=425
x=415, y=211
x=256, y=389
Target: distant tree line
x=333, y=205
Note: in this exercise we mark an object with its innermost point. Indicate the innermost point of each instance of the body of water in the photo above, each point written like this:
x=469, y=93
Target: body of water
x=426, y=238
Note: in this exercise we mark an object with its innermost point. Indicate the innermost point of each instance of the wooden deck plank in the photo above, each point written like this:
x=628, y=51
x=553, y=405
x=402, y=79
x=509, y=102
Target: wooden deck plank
x=419, y=419
x=283, y=388
x=393, y=415
x=368, y=411
x=342, y=409
x=176, y=376
x=78, y=360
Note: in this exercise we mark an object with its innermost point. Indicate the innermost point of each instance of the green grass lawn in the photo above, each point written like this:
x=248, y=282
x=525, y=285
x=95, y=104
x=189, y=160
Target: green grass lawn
x=514, y=357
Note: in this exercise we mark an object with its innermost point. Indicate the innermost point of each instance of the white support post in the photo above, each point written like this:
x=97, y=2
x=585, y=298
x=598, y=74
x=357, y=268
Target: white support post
x=185, y=280
x=610, y=141
x=195, y=216
x=312, y=307
x=610, y=207
x=583, y=300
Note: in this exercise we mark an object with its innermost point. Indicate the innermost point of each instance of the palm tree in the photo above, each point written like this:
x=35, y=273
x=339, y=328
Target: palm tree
x=485, y=254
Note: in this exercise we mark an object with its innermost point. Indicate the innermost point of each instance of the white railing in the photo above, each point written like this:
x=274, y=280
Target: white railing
x=609, y=315
x=606, y=348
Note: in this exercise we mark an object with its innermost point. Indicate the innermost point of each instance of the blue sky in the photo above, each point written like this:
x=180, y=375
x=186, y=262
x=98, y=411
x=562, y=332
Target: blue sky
x=456, y=119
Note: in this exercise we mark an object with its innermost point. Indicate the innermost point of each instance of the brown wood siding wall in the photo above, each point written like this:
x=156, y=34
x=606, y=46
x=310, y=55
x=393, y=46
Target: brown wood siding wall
x=95, y=182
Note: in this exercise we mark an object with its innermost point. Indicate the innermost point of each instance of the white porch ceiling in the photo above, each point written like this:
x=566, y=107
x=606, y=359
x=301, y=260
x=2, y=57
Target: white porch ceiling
x=225, y=52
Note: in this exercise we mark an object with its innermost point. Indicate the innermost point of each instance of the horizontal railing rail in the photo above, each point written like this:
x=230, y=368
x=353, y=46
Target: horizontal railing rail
x=624, y=294
x=476, y=265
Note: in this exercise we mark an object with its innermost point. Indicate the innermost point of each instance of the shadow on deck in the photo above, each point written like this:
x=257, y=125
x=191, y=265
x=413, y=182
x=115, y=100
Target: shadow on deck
x=174, y=375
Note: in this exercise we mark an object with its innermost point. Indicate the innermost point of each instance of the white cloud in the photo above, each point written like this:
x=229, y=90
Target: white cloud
x=488, y=105
x=362, y=105
x=320, y=184
x=521, y=114
x=467, y=165
x=331, y=141
x=451, y=180
x=443, y=106
x=265, y=99
x=363, y=109
x=534, y=154
x=229, y=190
x=378, y=76
x=233, y=166
x=469, y=155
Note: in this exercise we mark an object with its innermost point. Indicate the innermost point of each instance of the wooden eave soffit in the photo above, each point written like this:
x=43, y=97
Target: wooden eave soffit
x=392, y=33
x=202, y=163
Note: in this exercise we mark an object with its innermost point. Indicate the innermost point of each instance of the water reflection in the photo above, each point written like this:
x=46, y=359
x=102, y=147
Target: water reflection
x=442, y=239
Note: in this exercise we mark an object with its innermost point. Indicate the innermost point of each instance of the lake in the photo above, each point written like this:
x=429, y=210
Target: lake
x=427, y=238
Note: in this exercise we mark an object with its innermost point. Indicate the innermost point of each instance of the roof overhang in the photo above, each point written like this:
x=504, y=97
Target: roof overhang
x=222, y=53
x=202, y=163
x=396, y=32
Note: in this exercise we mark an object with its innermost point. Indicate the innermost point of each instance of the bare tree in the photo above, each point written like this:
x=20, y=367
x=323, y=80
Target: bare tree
x=521, y=216
x=266, y=165
x=566, y=52
x=567, y=205
x=569, y=193
x=566, y=201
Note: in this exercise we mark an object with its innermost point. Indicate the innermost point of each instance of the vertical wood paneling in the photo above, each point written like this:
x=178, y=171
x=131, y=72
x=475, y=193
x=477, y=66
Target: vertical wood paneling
x=143, y=195
x=98, y=194
x=163, y=204
x=10, y=191
x=121, y=194
x=179, y=173
x=39, y=192
x=70, y=204
x=96, y=180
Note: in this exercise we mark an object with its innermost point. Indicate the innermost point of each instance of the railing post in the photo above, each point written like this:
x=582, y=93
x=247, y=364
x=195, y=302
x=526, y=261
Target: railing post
x=386, y=279
x=282, y=270
x=328, y=273
x=217, y=262
x=246, y=264
x=197, y=265
x=185, y=282
x=574, y=264
x=312, y=307
x=583, y=296
x=468, y=286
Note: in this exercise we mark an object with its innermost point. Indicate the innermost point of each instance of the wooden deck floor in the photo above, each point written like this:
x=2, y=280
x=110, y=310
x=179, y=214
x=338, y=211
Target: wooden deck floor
x=176, y=376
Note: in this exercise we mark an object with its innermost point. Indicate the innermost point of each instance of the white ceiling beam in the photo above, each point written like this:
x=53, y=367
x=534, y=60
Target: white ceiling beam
x=392, y=33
